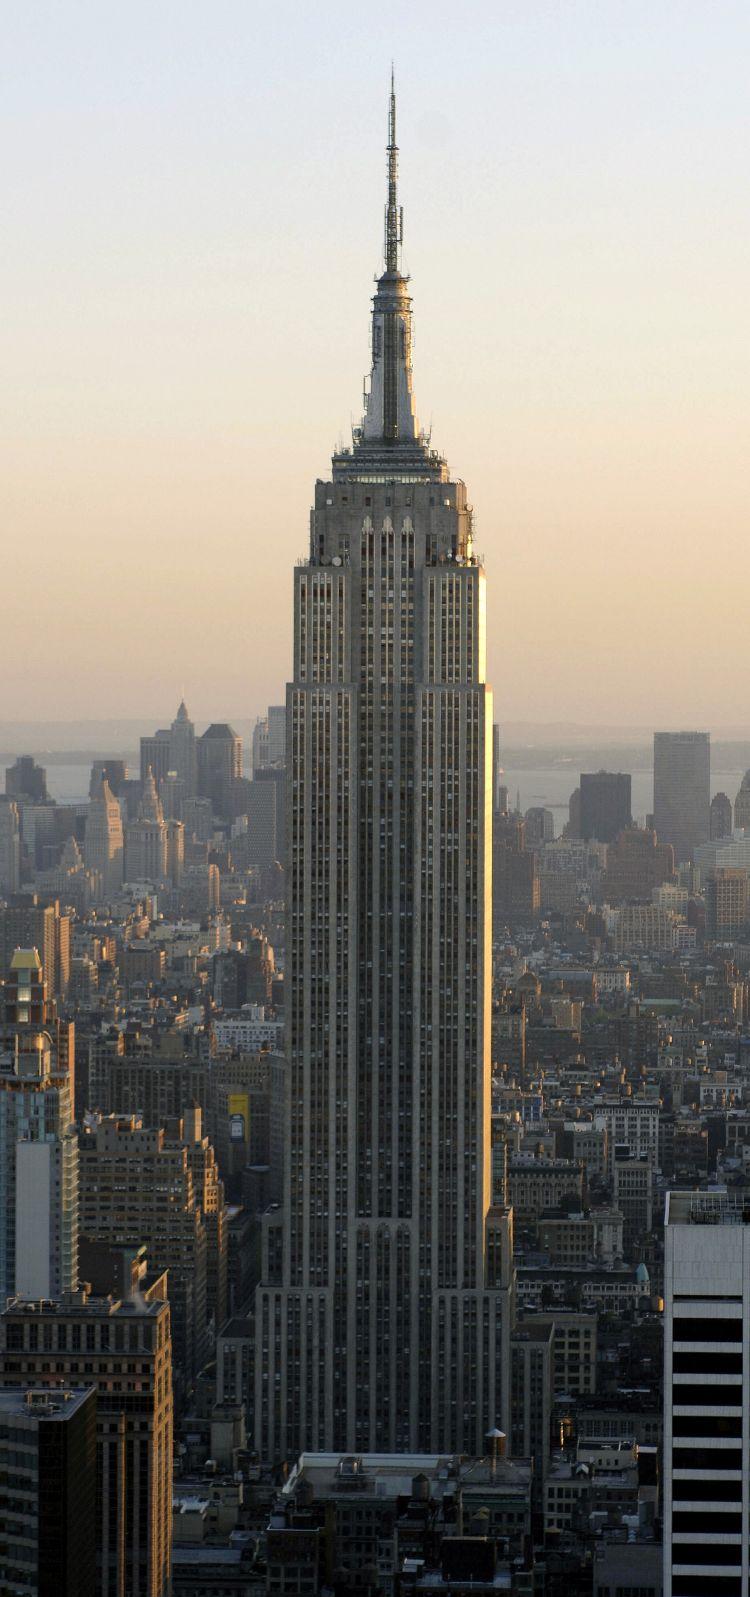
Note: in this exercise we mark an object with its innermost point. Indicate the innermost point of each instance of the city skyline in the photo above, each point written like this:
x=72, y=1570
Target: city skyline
x=374, y=1069
x=160, y=351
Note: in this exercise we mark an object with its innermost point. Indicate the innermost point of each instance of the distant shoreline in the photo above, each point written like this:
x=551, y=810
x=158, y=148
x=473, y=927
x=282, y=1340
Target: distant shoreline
x=726, y=754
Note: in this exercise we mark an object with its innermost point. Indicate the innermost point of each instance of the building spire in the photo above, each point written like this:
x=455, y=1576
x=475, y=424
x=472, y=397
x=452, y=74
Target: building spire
x=389, y=403
x=394, y=216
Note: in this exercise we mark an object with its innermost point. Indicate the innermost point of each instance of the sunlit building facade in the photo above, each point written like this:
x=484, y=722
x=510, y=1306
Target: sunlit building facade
x=383, y=1317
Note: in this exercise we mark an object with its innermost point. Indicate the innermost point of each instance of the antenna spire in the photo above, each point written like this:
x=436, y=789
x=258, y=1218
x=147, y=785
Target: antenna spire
x=394, y=217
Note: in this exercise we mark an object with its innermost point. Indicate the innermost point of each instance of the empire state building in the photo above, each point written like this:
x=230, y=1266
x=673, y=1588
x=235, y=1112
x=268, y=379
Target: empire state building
x=383, y=1314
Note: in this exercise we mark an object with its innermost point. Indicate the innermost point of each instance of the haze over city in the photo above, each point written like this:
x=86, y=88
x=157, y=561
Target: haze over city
x=375, y=1046
x=193, y=221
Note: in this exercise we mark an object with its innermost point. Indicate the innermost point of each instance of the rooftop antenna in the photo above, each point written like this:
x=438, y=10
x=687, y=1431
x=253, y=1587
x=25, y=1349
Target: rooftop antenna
x=394, y=215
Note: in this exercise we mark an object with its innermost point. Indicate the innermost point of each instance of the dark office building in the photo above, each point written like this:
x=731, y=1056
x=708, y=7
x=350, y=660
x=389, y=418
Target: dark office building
x=605, y=805
x=219, y=752
x=48, y=1491
x=721, y=817
x=682, y=790
x=515, y=873
x=115, y=772
x=155, y=755
x=26, y=780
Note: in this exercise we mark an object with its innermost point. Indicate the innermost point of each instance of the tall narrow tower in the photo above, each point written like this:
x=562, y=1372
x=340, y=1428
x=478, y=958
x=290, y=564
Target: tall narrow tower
x=103, y=842
x=383, y=1316
x=182, y=753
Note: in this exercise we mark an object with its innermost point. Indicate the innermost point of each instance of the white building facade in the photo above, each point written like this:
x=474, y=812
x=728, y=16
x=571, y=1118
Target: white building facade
x=706, y=1486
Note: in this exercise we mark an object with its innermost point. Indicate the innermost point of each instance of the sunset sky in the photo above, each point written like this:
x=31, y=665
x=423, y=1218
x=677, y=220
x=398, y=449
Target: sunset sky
x=192, y=220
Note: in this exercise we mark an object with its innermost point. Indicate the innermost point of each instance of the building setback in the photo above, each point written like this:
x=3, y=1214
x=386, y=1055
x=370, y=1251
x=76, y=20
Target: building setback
x=142, y=1185
x=383, y=1316
x=123, y=1349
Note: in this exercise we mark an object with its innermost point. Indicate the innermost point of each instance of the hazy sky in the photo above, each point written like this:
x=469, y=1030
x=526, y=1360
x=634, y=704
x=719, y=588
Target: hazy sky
x=192, y=219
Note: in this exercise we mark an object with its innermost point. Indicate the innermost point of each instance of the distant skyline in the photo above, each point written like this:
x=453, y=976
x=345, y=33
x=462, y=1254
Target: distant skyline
x=193, y=221
x=120, y=735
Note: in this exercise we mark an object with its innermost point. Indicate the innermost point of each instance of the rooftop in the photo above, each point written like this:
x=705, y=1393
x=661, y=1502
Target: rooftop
x=717, y=1207
x=19, y=1403
x=75, y=1302
x=389, y=1475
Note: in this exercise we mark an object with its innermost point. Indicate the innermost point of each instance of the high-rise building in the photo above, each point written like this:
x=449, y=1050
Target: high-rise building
x=156, y=754
x=516, y=892
x=383, y=1317
x=10, y=847
x=182, y=756
x=573, y=828
x=209, y=1195
x=497, y=770
x=38, y=1148
x=123, y=1349
x=137, y=1186
x=103, y=842
x=219, y=753
x=269, y=739
x=259, y=744
x=26, y=1008
x=266, y=816
x=115, y=772
x=706, y=1420
x=26, y=780
x=682, y=790
x=540, y=826
x=720, y=817
x=146, y=838
x=742, y=805
x=636, y=864
x=198, y=819
x=605, y=805
x=174, y=832
x=532, y=1363
x=25, y=923
x=48, y=1492
x=727, y=894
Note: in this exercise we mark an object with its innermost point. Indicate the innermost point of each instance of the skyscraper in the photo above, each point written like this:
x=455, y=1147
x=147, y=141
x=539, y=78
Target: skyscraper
x=138, y=1185
x=103, y=843
x=146, y=838
x=720, y=817
x=383, y=1316
x=742, y=804
x=682, y=790
x=605, y=805
x=123, y=1348
x=706, y=1426
x=25, y=923
x=10, y=847
x=38, y=1150
x=26, y=780
x=269, y=739
x=48, y=1492
x=219, y=754
x=182, y=755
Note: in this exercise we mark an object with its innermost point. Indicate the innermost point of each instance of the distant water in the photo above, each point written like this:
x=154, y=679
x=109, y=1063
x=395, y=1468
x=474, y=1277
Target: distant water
x=69, y=784
x=550, y=786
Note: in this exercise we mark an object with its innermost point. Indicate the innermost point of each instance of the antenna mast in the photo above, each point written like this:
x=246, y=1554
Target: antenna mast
x=394, y=217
